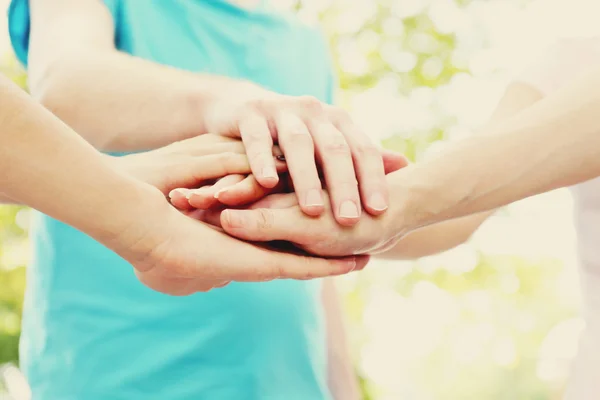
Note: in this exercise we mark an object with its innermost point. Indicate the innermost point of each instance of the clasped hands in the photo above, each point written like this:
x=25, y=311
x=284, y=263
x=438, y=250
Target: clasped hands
x=322, y=191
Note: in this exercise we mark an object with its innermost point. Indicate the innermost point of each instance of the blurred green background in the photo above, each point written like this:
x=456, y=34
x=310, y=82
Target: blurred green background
x=493, y=319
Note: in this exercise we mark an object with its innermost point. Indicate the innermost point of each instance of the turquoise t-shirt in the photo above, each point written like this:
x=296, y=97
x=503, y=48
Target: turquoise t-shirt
x=91, y=331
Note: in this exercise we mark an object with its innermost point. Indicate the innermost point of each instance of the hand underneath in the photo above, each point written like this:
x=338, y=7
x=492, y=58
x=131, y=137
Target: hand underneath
x=278, y=217
x=178, y=255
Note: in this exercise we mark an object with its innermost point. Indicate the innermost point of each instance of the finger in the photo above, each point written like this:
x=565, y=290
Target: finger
x=245, y=192
x=178, y=198
x=278, y=200
x=369, y=165
x=267, y=265
x=205, y=144
x=191, y=173
x=204, y=198
x=275, y=201
x=235, y=146
x=175, y=286
x=263, y=225
x=297, y=145
x=256, y=135
x=336, y=158
x=211, y=217
x=393, y=161
x=222, y=164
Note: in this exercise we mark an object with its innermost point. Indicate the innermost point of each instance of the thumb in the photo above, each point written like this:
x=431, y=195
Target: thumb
x=264, y=225
x=393, y=161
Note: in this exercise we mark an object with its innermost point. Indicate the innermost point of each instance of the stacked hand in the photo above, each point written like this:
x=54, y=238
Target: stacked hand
x=178, y=255
x=313, y=137
x=279, y=187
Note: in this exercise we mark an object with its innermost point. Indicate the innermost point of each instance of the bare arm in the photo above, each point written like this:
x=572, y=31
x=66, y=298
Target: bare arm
x=123, y=103
x=446, y=235
x=555, y=143
x=115, y=101
x=342, y=379
x=48, y=167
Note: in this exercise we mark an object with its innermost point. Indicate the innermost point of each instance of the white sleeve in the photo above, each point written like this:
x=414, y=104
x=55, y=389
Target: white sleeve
x=565, y=60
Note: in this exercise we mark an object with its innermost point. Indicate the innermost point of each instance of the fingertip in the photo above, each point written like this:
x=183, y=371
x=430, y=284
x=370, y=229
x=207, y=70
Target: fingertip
x=348, y=213
x=229, y=220
x=178, y=193
x=312, y=203
x=361, y=262
x=393, y=161
x=178, y=198
x=312, y=211
x=377, y=204
x=346, y=265
x=220, y=193
x=201, y=200
x=268, y=181
x=345, y=221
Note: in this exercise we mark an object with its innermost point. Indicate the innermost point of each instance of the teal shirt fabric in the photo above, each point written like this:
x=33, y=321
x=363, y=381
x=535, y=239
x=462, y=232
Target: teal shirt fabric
x=91, y=331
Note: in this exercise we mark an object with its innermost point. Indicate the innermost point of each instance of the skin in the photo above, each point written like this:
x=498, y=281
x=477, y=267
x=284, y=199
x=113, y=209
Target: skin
x=552, y=144
x=418, y=243
x=39, y=151
x=124, y=103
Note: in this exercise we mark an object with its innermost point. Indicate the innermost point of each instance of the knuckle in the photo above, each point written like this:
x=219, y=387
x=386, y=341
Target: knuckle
x=338, y=114
x=263, y=274
x=297, y=129
x=254, y=131
x=225, y=157
x=300, y=140
x=261, y=105
x=311, y=104
x=337, y=144
x=229, y=162
x=264, y=219
x=367, y=150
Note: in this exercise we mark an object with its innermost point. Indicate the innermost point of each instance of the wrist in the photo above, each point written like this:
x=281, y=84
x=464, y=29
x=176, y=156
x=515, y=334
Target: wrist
x=410, y=204
x=209, y=100
x=125, y=206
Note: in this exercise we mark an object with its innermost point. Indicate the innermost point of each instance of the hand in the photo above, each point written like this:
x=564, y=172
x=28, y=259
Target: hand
x=306, y=129
x=189, y=163
x=178, y=255
x=239, y=190
x=278, y=217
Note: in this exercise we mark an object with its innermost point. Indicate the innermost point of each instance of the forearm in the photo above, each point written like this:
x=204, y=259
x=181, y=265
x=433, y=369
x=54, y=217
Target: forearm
x=342, y=380
x=554, y=143
x=435, y=238
x=449, y=234
x=118, y=102
x=47, y=166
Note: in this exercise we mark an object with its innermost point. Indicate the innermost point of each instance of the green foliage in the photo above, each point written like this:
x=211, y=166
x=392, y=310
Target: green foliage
x=515, y=296
x=12, y=283
x=12, y=245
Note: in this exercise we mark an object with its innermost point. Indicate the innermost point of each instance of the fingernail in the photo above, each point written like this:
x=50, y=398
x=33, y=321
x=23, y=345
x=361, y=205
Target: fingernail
x=377, y=202
x=269, y=173
x=349, y=210
x=216, y=196
x=181, y=192
x=351, y=264
x=191, y=192
x=313, y=198
x=233, y=219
